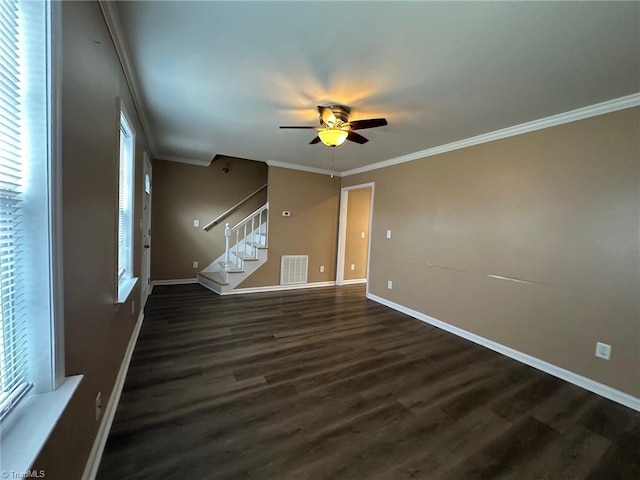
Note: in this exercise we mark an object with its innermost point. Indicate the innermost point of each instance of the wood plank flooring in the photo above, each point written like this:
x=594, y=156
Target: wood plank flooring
x=325, y=384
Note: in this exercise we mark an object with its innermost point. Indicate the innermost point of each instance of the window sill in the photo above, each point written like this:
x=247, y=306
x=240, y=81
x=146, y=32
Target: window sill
x=31, y=424
x=125, y=287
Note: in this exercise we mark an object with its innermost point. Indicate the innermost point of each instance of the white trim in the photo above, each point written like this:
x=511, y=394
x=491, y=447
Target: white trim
x=572, y=116
x=354, y=281
x=571, y=377
x=124, y=284
x=145, y=283
x=112, y=19
x=188, y=161
x=176, y=281
x=342, y=230
x=277, y=288
x=38, y=415
x=303, y=168
x=209, y=285
x=91, y=468
x=55, y=194
x=125, y=287
x=342, y=234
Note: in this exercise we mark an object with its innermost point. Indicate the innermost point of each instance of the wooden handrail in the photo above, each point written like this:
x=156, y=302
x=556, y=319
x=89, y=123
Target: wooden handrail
x=249, y=217
x=227, y=212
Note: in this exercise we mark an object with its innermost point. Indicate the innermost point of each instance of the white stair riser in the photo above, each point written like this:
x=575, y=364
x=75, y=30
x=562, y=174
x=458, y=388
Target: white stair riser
x=245, y=258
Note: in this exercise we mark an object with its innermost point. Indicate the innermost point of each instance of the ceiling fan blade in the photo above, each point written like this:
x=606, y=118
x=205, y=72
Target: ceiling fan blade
x=356, y=137
x=327, y=116
x=306, y=127
x=369, y=123
x=314, y=141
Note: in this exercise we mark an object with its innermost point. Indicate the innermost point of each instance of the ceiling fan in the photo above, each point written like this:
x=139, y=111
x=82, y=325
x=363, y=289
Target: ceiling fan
x=335, y=126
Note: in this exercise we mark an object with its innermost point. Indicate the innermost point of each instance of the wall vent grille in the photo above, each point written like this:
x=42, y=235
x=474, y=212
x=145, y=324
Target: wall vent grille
x=293, y=269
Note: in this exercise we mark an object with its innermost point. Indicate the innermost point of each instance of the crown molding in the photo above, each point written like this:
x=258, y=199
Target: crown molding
x=112, y=19
x=189, y=161
x=609, y=106
x=303, y=168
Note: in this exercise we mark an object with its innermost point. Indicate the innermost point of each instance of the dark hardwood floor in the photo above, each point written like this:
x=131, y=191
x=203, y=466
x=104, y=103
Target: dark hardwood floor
x=325, y=384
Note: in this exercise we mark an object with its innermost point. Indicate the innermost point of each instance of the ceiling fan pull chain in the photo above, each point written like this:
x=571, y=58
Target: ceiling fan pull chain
x=332, y=150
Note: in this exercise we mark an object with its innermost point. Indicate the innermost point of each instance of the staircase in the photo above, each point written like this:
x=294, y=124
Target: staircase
x=245, y=252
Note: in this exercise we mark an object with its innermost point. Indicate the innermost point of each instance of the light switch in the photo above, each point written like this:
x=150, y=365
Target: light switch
x=388, y=233
x=196, y=223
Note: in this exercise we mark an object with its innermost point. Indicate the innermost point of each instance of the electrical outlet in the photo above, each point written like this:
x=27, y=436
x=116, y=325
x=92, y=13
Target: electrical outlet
x=195, y=264
x=389, y=284
x=98, y=406
x=603, y=350
x=362, y=234
x=196, y=223
x=353, y=267
x=321, y=268
x=388, y=233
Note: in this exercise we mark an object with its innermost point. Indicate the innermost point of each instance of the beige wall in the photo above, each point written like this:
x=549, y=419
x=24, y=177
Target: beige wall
x=96, y=334
x=183, y=193
x=313, y=201
x=356, y=245
x=558, y=208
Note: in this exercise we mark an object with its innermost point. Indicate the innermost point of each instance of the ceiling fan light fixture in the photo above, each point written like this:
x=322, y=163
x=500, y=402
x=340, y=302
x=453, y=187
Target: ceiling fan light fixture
x=333, y=137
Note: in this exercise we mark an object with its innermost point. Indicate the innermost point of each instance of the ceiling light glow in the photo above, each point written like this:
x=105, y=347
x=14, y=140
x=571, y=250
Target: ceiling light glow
x=333, y=137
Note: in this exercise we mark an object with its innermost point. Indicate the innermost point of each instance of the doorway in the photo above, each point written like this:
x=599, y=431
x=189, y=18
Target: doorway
x=145, y=286
x=354, y=239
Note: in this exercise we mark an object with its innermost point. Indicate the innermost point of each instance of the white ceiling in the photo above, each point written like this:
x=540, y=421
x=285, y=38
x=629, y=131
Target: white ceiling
x=220, y=77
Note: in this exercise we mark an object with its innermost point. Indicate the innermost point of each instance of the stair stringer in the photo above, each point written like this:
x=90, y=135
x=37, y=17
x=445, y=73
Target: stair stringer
x=233, y=279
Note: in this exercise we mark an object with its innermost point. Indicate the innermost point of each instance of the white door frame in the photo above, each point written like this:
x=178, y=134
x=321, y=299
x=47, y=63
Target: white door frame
x=342, y=231
x=145, y=224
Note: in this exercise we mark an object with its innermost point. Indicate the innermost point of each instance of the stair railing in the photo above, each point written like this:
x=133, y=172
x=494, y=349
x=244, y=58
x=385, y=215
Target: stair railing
x=250, y=232
x=229, y=211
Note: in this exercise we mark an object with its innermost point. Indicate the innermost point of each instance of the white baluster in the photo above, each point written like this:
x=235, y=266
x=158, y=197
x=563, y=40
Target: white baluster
x=227, y=235
x=252, y=235
x=244, y=237
x=237, y=241
x=259, y=240
x=266, y=228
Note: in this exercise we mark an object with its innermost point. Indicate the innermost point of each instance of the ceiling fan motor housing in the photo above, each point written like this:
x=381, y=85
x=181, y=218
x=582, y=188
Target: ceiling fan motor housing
x=340, y=112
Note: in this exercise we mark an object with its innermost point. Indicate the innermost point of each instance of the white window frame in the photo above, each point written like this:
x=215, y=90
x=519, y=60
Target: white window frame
x=24, y=431
x=125, y=281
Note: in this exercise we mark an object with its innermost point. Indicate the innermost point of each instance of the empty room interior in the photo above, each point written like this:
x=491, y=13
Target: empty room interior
x=320, y=240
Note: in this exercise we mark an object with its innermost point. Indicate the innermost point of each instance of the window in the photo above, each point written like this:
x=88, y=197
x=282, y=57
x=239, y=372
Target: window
x=33, y=391
x=25, y=302
x=125, y=278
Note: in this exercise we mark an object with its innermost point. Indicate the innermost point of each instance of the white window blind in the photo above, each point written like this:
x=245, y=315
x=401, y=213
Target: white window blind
x=125, y=199
x=23, y=195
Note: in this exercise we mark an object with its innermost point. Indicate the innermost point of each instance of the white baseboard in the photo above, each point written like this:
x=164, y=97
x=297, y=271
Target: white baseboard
x=355, y=281
x=571, y=377
x=177, y=281
x=91, y=469
x=277, y=288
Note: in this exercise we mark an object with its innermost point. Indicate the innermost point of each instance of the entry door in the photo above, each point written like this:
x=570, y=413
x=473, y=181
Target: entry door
x=146, y=229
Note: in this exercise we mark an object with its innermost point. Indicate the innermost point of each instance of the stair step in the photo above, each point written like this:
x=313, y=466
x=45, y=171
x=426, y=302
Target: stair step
x=214, y=277
x=231, y=268
x=245, y=256
x=256, y=244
